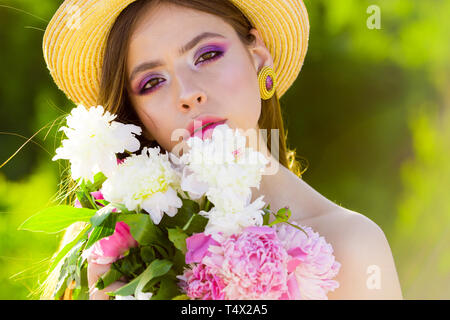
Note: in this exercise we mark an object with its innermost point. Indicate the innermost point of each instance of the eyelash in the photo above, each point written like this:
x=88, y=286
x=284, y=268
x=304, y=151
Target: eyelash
x=218, y=54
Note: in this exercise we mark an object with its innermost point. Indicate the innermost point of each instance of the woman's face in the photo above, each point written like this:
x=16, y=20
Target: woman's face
x=215, y=76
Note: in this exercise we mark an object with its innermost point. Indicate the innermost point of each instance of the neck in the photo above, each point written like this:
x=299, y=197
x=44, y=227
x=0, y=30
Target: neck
x=273, y=180
x=281, y=187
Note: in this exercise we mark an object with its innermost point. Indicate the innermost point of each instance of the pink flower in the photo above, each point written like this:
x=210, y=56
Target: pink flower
x=112, y=248
x=260, y=263
x=197, y=247
x=251, y=265
x=202, y=282
x=312, y=262
x=254, y=265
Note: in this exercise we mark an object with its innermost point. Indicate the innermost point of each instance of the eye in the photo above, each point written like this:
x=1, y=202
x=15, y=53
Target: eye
x=150, y=85
x=153, y=83
x=209, y=56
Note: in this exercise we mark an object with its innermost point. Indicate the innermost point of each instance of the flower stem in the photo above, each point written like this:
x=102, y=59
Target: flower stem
x=208, y=205
x=186, y=226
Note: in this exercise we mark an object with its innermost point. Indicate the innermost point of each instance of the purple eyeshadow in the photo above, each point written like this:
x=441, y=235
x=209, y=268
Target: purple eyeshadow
x=144, y=82
x=209, y=48
x=219, y=49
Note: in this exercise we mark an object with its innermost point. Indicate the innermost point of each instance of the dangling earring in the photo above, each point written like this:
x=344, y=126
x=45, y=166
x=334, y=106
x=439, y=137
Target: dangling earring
x=267, y=82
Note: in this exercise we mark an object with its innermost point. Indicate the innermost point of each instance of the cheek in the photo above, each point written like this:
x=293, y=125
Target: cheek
x=240, y=86
x=160, y=126
x=150, y=120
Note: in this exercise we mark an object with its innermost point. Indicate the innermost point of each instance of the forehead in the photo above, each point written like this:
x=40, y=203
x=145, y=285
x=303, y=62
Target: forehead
x=169, y=25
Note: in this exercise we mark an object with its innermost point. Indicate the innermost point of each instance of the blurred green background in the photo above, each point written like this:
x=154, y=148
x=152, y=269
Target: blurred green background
x=370, y=111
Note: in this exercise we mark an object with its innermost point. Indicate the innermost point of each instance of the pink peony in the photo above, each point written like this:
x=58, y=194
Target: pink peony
x=312, y=262
x=251, y=265
x=260, y=263
x=254, y=265
x=197, y=247
x=112, y=248
x=202, y=282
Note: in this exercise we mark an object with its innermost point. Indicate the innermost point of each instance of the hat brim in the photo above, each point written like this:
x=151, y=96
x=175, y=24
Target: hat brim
x=75, y=39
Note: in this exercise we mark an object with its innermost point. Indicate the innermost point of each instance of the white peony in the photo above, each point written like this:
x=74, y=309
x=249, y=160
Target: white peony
x=139, y=296
x=229, y=223
x=223, y=168
x=146, y=181
x=93, y=141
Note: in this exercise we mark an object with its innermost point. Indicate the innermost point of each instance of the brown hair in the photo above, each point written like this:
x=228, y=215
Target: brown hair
x=113, y=93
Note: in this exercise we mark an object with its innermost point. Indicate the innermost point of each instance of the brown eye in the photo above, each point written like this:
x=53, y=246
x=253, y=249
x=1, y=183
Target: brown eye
x=150, y=84
x=211, y=55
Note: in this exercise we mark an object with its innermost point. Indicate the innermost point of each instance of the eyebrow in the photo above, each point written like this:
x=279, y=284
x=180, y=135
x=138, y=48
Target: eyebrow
x=191, y=44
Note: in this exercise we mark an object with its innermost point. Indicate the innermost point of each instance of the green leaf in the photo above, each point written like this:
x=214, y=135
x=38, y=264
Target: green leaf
x=68, y=270
x=168, y=289
x=266, y=217
x=121, y=207
x=61, y=285
x=102, y=202
x=85, y=199
x=162, y=251
x=183, y=215
x=178, y=238
x=99, y=178
x=81, y=292
x=143, y=230
x=208, y=205
x=101, y=215
x=131, y=264
x=64, y=251
x=112, y=275
x=186, y=216
x=179, y=262
x=56, y=219
x=197, y=225
x=148, y=254
x=126, y=290
x=181, y=297
x=105, y=229
x=156, y=269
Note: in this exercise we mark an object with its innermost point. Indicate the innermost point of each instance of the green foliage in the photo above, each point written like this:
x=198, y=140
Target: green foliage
x=103, y=230
x=178, y=238
x=421, y=235
x=156, y=269
x=56, y=219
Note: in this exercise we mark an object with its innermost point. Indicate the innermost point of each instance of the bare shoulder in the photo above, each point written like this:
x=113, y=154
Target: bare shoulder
x=367, y=266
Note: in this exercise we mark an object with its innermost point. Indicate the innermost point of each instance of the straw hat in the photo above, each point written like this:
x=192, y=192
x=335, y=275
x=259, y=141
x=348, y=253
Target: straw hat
x=75, y=40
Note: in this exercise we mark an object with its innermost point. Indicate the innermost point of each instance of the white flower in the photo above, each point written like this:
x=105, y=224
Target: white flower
x=229, y=223
x=140, y=296
x=93, y=141
x=195, y=188
x=221, y=167
x=146, y=181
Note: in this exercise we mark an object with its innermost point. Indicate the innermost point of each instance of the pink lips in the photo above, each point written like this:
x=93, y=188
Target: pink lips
x=202, y=127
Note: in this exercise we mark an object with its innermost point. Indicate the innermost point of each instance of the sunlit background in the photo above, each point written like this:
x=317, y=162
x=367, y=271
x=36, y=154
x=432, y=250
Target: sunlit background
x=370, y=111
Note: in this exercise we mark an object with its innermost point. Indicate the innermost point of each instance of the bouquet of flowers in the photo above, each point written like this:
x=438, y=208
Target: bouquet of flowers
x=178, y=227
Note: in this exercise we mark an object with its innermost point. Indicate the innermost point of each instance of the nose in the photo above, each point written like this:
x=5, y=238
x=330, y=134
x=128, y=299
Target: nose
x=191, y=96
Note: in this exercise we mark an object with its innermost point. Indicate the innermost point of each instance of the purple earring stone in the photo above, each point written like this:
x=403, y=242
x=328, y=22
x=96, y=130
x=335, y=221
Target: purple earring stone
x=269, y=83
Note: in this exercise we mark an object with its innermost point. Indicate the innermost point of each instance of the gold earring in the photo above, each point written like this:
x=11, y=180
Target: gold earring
x=267, y=82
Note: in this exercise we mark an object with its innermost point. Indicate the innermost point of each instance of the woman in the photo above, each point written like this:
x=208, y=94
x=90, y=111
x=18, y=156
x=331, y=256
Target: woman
x=164, y=64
